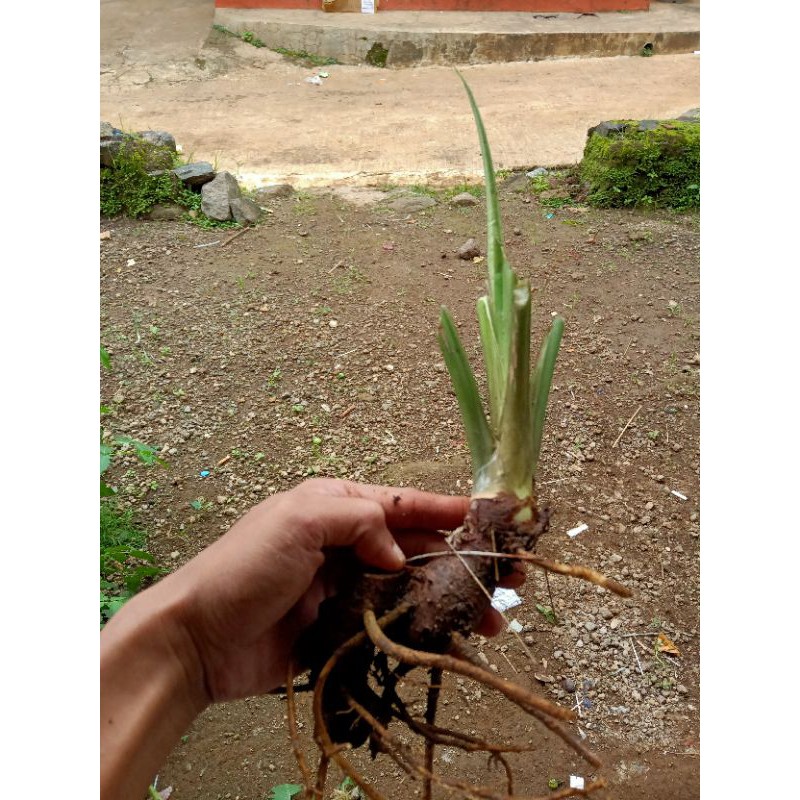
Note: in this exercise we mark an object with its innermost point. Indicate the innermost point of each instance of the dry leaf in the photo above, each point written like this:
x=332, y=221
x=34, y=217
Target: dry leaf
x=666, y=645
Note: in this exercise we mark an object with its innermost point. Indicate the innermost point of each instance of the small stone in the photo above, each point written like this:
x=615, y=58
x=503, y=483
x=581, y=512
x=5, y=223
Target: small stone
x=469, y=250
x=605, y=612
x=165, y=212
x=536, y=172
x=517, y=232
x=614, y=624
x=615, y=558
x=483, y=658
x=273, y=191
x=569, y=685
x=333, y=323
x=464, y=199
x=409, y=205
x=590, y=626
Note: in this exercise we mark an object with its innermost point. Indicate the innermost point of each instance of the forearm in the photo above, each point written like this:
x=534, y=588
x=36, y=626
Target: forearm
x=151, y=688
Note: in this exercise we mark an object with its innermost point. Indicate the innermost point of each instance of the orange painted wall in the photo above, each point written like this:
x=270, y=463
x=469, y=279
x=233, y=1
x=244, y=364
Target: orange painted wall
x=549, y=6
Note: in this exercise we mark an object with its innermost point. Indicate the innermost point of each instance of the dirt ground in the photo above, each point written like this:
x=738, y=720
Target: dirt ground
x=306, y=346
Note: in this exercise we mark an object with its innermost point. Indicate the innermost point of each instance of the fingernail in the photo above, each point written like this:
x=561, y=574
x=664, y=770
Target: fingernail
x=399, y=555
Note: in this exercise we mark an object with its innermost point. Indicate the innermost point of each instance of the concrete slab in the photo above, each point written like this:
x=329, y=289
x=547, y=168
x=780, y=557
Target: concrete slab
x=251, y=112
x=463, y=37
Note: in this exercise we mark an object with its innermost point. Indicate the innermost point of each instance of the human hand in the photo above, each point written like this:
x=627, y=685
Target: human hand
x=251, y=593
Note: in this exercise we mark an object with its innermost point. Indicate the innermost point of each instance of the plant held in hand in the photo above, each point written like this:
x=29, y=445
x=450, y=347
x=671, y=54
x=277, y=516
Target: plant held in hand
x=365, y=642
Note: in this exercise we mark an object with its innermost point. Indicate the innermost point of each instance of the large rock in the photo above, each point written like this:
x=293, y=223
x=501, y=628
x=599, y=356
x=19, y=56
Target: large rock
x=195, y=174
x=644, y=163
x=217, y=196
x=245, y=210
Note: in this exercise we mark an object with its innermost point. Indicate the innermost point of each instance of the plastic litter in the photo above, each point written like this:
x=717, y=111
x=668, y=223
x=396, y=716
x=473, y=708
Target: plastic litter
x=549, y=215
x=204, y=473
x=503, y=599
x=515, y=625
x=679, y=495
x=573, y=532
x=535, y=173
x=576, y=782
x=315, y=79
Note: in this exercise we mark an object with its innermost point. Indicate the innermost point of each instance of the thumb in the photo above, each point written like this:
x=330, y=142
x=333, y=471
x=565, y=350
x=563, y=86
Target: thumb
x=361, y=524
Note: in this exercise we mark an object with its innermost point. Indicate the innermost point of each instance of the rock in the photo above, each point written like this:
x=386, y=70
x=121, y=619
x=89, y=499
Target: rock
x=111, y=139
x=569, y=685
x=273, y=192
x=464, y=199
x=409, y=205
x=535, y=173
x=245, y=210
x=605, y=612
x=195, y=174
x=608, y=129
x=159, y=139
x=590, y=626
x=217, y=196
x=692, y=115
x=165, y=212
x=469, y=250
x=648, y=125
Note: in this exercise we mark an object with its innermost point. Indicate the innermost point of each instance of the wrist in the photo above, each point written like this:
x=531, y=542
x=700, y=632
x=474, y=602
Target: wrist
x=151, y=689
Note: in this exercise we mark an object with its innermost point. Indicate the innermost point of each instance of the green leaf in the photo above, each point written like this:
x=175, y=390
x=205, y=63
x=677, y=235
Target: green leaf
x=105, y=489
x=541, y=380
x=547, y=613
x=105, y=358
x=144, y=452
x=515, y=449
x=479, y=437
x=106, y=451
x=502, y=280
x=285, y=791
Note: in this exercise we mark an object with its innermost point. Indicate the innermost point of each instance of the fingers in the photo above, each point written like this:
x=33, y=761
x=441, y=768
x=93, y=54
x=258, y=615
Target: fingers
x=404, y=508
x=360, y=524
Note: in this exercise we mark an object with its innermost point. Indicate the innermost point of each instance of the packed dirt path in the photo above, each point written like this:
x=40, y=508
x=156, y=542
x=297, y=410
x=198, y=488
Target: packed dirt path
x=251, y=111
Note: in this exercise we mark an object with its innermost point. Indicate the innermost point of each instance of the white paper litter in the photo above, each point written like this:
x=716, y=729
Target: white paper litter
x=515, y=625
x=679, y=495
x=367, y=6
x=575, y=782
x=503, y=599
x=315, y=79
x=575, y=531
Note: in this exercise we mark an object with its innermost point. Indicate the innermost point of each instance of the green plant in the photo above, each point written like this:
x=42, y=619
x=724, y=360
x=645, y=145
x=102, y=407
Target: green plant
x=125, y=563
x=251, y=38
x=285, y=791
x=505, y=446
x=305, y=58
x=127, y=188
x=376, y=55
x=382, y=627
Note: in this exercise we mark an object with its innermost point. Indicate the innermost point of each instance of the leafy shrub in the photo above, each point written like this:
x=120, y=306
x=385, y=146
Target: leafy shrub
x=127, y=188
x=631, y=167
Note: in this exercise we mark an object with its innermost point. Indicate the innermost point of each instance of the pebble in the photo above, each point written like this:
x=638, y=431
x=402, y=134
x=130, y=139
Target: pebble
x=569, y=685
x=469, y=250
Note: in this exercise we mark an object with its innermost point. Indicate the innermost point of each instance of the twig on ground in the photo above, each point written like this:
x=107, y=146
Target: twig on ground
x=234, y=235
x=633, y=417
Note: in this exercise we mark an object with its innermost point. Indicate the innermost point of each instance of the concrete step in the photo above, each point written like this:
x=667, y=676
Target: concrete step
x=406, y=38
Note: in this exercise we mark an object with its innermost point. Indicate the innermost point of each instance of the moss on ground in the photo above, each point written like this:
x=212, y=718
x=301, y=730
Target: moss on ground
x=631, y=167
